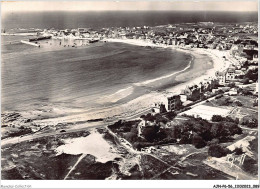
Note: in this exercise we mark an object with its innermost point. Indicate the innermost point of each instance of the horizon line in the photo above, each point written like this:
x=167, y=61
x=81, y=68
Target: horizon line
x=10, y=11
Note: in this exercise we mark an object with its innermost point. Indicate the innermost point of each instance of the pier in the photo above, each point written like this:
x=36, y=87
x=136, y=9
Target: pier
x=30, y=43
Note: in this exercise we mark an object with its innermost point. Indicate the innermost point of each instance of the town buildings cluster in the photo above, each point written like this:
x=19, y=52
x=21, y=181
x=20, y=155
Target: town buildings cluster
x=239, y=39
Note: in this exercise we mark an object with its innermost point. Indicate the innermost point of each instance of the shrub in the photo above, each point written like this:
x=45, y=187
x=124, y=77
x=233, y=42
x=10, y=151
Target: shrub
x=238, y=151
x=246, y=92
x=219, y=96
x=224, y=101
x=253, y=123
x=238, y=103
x=215, y=141
x=142, y=116
x=250, y=165
x=129, y=136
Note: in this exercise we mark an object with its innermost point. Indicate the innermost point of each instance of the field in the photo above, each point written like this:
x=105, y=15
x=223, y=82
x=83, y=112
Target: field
x=206, y=112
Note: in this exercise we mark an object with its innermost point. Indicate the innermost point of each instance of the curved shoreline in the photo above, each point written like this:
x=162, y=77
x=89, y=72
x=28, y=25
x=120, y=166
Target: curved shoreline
x=167, y=76
x=195, y=53
x=134, y=105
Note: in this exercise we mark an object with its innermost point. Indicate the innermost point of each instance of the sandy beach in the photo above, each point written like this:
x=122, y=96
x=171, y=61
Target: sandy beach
x=195, y=73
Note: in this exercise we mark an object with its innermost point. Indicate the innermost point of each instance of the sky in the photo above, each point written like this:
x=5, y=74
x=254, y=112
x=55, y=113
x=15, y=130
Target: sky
x=228, y=5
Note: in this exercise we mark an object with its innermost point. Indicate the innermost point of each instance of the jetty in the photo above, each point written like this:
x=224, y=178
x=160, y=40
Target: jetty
x=30, y=43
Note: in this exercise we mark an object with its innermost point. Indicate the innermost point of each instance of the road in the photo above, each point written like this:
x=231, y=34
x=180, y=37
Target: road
x=249, y=129
x=133, y=151
x=15, y=140
x=40, y=135
x=86, y=126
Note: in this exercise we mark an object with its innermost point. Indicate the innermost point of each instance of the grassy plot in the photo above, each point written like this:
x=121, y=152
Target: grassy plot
x=34, y=159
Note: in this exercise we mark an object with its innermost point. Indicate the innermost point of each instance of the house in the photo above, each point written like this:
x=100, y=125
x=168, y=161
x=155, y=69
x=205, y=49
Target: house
x=174, y=102
x=159, y=108
x=148, y=149
x=207, y=85
x=214, y=83
x=82, y=30
x=252, y=67
x=226, y=75
x=221, y=77
x=237, y=49
x=193, y=92
x=255, y=58
x=215, y=90
x=140, y=126
x=174, y=41
x=183, y=97
x=239, y=73
x=232, y=92
x=250, y=47
x=230, y=74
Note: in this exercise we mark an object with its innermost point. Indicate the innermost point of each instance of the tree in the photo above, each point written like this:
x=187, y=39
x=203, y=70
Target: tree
x=253, y=123
x=176, y=132
x=252, y=75
x=232, y=128
x=215, y=130
x=149, y=133
x=171, y=115
x=217, y=118
x=231, y=85
x=245, y=81
x=162, y=108
x=238, y=103
x=142, y=116
x=130, y=136
x=48, y=146
x=246, y=91
x=238, y=151
x=162, y=135
x=198, y=141
x=215, y=141
x=149, y=117
x=184, y=140
x=218, y=151
x=134, y=130
x=206, y=135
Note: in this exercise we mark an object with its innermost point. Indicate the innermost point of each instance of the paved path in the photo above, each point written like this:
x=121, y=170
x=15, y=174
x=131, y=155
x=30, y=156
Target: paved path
x=75, y=165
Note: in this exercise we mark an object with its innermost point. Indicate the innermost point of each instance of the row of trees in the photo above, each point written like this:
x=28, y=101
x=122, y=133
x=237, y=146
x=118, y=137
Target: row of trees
x=219, y=118
x=196, y=131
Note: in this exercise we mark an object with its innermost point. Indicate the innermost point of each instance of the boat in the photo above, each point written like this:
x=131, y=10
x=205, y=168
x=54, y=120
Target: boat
x=39, y=38
x=93, y=40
